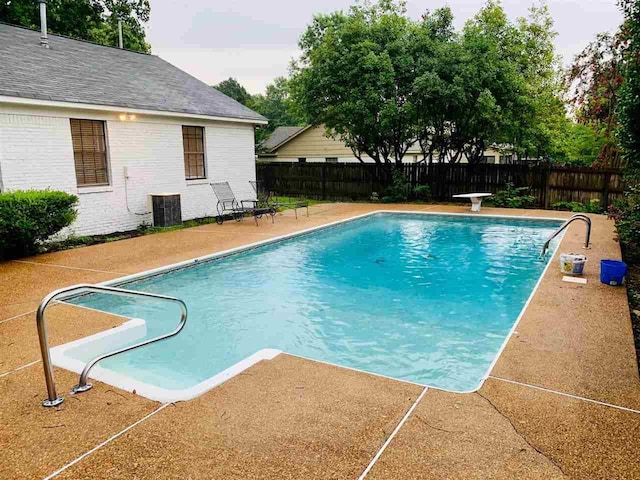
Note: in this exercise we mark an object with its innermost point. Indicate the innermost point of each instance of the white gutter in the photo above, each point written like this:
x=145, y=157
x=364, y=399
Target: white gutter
x=117, y=109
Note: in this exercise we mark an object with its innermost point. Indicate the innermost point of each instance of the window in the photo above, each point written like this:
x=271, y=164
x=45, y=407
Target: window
x=89, y=152
x=193, y=145
x=302, y=160
x=489, y=159
x=506, y=159
x=331, y=160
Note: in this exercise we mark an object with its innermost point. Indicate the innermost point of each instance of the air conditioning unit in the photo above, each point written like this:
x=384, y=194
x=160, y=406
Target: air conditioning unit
x=166, y=208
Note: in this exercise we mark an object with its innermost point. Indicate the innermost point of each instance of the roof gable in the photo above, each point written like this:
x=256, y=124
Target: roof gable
x=311, y=141
x=280, y=136
x=82, y=72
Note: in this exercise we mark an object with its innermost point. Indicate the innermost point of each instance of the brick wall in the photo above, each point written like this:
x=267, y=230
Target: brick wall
x=36, y=152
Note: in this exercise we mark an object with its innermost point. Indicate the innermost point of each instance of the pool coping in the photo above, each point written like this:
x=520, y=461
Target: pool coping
x=60, y=358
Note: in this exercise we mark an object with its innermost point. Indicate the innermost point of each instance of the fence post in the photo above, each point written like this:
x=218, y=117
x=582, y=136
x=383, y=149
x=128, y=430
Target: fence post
x=547, y=174
x=324, y=182
x=605, y=190
x=414, y=169
x=413, y=178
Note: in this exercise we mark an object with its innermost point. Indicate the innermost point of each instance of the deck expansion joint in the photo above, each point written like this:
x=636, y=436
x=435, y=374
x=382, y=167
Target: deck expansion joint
x=106, y=442
x=15, y=317
x=65, y=303
x=393, y=434
x=55, y=265
x=569, y=395
x=214, y=232
x=22, y=367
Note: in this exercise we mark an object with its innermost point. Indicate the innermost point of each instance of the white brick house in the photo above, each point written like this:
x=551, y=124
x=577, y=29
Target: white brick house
x=113, y=127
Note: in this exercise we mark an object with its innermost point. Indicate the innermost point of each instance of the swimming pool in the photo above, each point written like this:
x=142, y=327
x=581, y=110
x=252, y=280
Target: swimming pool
x=423, y=298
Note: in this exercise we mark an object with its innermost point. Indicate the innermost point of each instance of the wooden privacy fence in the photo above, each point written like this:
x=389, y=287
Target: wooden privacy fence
x=355, y=181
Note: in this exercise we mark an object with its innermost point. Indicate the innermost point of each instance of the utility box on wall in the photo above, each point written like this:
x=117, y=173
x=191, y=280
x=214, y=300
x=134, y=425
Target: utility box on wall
x=166, y=209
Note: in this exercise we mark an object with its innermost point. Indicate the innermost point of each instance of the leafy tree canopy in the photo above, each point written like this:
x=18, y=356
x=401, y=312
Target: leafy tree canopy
x=93, y=20
x=627, y=212
x=381, y=81
x=275, y=104
x=593, y=84
x=629, y=108
x=356, y=77
x=232, y=88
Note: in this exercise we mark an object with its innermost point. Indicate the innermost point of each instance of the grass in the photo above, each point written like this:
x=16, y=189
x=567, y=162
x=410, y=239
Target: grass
x=294, y=200
x=144, y=229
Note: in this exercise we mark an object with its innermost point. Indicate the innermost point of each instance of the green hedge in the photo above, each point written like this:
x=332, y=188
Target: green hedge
x=28, y=218
x=512, y=197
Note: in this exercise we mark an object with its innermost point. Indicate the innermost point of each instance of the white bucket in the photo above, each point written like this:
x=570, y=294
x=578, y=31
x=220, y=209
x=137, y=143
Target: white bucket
x=572, y=263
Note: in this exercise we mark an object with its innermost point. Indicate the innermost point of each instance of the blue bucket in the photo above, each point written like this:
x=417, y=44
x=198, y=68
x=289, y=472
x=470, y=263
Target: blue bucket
x=612, y=272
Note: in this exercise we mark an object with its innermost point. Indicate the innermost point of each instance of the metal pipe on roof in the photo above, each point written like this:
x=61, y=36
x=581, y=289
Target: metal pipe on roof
x=120, y=40
x=44, y=41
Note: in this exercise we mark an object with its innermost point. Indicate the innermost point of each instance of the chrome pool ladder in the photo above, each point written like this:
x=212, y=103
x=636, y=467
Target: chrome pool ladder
x=53, y=399
x=579, y=216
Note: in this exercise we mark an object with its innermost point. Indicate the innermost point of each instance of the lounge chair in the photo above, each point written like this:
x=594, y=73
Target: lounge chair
x=266, y=200
x=228, y=205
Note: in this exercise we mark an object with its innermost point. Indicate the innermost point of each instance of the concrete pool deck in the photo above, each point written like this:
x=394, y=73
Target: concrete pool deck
x=563, y=400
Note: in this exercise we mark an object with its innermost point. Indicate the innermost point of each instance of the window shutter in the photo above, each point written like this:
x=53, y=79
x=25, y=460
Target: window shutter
x=193, y=144
x=89, y=152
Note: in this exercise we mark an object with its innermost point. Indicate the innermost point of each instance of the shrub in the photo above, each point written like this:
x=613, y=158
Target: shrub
x=592, y=207
x=398, y=190
x=626, y=214
x=512, y=197
x=422, y=193
x=28, y=218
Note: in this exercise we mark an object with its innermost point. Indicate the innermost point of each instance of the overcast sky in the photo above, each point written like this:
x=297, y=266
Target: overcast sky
x=254, y=40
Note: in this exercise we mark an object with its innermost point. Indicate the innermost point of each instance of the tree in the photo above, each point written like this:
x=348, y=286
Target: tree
x=627, y=212
x=232, y=88
x=584, y=144
x=93, y=20
x=435, y=90
x=133, y=13
x=542, y=123
x=511, y=84
x=491, y=83
x=629, y=108
x=497, y=84
x=593, y=83
x=381, y=82
x=277, y=106
x=356, y=76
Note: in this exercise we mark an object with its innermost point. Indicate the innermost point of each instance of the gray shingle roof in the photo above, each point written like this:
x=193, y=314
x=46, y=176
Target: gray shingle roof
x=278, y=136
x=82, y=72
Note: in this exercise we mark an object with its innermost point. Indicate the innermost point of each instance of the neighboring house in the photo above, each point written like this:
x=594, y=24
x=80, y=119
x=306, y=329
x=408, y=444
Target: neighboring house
x=113, y=127
x=310, y=144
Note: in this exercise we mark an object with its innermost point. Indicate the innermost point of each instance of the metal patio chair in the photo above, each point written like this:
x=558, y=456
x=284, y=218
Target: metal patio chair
x=265, y=198
x=228, y=205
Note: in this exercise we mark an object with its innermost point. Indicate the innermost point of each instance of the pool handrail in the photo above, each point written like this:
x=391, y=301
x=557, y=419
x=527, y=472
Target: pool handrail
x=53, y=399
x=578, y=216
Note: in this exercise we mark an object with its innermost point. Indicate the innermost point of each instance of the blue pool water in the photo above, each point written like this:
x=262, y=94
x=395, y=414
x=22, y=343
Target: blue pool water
x=429, y=299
